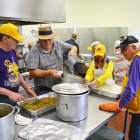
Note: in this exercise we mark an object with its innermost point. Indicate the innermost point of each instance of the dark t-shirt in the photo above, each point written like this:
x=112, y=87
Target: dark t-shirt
x=72, y=42
x=9, y=75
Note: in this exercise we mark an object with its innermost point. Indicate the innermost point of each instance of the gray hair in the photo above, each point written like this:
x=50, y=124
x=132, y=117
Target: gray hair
x=137, y=45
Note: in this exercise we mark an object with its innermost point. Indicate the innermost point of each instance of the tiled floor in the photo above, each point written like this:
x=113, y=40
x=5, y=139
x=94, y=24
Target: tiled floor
x=117, y=122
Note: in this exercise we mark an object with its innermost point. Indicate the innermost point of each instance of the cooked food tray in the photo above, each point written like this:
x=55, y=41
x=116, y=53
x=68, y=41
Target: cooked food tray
x=112, y=91
x=42, y=109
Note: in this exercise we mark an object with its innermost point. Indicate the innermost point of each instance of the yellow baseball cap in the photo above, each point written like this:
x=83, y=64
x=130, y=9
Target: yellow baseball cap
x=100, y=50
x=11, y=30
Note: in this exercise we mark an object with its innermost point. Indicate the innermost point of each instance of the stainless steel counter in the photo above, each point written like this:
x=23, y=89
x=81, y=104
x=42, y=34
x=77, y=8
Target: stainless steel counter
x=93, y=122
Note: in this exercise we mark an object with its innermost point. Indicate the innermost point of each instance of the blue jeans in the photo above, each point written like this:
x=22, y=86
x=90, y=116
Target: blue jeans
x=134, y=132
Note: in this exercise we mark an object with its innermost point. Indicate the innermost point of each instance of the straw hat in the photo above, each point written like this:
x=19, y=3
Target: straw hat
x=11, y=30
x=45, y=32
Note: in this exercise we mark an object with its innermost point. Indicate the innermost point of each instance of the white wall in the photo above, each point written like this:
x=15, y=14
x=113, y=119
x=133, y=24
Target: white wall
x=98, y=13
x=103, y=13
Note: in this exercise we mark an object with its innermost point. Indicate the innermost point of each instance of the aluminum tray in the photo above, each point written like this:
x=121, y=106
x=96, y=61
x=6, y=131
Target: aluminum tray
x=41, y=110
x=112, y=91
x=45, y=129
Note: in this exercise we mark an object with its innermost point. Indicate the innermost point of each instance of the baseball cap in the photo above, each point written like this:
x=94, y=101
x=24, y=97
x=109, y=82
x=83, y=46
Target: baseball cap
x=117, y=43
x=100, y=50
x=11, y=30
x=126, y=40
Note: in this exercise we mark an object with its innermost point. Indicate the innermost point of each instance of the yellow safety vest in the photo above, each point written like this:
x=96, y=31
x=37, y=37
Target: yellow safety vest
x=134, y=105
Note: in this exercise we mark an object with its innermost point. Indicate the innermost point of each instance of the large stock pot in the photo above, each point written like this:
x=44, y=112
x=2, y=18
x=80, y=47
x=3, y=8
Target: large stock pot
x=72, y=101
x=7, y=126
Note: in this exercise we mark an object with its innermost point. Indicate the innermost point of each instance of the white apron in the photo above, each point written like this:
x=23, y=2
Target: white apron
x=99, y=72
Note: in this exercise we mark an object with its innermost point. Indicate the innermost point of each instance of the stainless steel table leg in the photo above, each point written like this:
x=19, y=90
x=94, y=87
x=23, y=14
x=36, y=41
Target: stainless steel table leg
x=125, y=124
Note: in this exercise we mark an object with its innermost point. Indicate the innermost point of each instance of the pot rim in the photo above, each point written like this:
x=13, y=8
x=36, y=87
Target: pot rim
x=9, y=113
x=56, y=89
x=74, y=94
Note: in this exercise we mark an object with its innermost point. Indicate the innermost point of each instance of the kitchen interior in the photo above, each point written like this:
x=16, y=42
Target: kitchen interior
x=92, y=20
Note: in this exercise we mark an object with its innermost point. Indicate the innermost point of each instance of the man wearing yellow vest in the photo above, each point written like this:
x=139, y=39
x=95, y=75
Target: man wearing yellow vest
x=130, y=98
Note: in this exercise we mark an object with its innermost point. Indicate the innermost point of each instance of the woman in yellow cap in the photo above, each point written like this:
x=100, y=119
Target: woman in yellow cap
x=100, y=69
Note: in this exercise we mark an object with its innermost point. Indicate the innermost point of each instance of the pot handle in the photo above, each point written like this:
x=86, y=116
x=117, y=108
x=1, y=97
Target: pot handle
x=64, y=105
x=16, y=110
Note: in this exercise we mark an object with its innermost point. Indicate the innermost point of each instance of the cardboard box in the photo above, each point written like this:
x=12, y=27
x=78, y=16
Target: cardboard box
x=120, y=60
x=120, y=71
x=118, y=80
x=117, y=51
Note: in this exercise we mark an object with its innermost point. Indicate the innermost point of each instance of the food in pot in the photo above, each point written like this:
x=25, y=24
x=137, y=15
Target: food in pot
x=39, y=103
x=3, y=114
x=4, y=110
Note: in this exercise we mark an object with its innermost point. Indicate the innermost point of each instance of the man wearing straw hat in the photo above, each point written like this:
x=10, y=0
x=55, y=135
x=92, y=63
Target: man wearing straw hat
x=45, y=60
x=10, y=78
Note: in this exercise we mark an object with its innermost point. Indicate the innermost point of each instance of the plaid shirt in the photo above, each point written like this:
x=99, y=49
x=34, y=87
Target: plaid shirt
x=39, y=58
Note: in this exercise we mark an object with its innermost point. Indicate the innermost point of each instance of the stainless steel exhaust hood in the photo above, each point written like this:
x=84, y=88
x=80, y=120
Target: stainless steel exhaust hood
x=28, y=12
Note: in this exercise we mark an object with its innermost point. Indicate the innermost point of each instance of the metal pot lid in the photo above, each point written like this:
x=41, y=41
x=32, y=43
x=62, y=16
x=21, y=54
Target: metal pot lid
x=70, y=88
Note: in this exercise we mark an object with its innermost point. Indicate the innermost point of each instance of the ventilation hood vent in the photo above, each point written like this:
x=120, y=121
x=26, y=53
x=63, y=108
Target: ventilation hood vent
x=20, y=21
x=29, y=12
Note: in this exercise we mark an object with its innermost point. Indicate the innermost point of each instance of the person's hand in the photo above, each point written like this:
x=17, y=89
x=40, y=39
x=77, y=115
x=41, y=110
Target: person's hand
x=16, y=97
x=93, y=84
x=87, y=65
x=60, y=73
x=19, y=56
x=110, y=107
x=71, y=53
x=54, y=73
x=31, y=93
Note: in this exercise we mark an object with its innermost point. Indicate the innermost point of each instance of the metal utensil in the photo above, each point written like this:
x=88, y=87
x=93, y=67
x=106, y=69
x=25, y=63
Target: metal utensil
x=33, y=99
x=61, y=74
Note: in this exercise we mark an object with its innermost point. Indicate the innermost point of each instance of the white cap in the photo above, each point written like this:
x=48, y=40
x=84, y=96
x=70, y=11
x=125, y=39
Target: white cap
x=93, y=45
x=117, y=43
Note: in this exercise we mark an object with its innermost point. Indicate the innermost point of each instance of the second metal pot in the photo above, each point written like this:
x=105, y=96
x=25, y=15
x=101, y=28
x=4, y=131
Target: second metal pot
x=72, y=106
